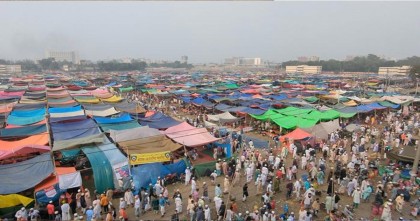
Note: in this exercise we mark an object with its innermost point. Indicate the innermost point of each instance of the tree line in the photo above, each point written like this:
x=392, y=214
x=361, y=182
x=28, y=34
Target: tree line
x=114, y=65
x=369, y=63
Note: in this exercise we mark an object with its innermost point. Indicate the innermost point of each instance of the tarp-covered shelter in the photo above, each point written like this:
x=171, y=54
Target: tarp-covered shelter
x=148, y=173
x=225, y=117
x=21, y=176
x=143, y=140
x=190, y=136
x=159, y=121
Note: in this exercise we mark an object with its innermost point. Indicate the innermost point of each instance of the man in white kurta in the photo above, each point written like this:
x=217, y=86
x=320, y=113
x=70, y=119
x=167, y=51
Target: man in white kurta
x=65, y=212
x=248, y=174
x=187, y=176
x=356, y=197
x=178, y=204
x=226, y=184
x=217, y=203
x=129, y=197
x=193, y=185
x=207, y=213
x=386, y=212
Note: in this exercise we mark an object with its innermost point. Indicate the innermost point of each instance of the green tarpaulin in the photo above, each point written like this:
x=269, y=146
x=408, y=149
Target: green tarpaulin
x=311, y=99
x=102, y=169
x=291, y=122
x=346, y=115
x=270, y=114
x=125, y=89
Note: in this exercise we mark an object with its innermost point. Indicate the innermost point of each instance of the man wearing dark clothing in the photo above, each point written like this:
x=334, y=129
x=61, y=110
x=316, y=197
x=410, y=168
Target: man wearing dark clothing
x=200, y=214
x=222, y=210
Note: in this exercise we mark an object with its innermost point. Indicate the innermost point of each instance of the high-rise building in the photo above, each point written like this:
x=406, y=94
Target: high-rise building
x=70, y=56
x=313, y=58
x=303, y=59
x=239, y=61
x=303, y=69
x=184, y=59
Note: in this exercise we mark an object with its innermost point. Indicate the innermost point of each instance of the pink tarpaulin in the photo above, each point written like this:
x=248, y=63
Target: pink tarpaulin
x=14, y=93
x=190, y=136
x=7, y=152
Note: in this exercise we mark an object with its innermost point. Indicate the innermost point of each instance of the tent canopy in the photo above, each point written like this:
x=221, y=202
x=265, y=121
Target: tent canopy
x=297, y=134
x=188, y=135
x=223, y=118
x=21, y=176
x=159, y=121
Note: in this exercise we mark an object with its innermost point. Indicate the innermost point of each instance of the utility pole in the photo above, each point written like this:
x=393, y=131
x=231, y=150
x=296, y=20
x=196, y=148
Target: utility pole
x=413, y=172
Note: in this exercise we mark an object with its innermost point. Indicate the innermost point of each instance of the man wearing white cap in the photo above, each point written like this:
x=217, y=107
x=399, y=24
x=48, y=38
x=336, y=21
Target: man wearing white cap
x=356, y=197
x=399, y=203
x=33, y=214
x=193, y=185
x=386, y=212
x=22, y=214
x=57, y=216
x=207, y=213
x=226, y=185
x=123, y=203
x=187, y=175
x=50, y=210
x=65, y=211
x=291, y=217
x=137, y=206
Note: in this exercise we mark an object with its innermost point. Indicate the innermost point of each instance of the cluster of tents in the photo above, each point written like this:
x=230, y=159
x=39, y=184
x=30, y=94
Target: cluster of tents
x=46, y=125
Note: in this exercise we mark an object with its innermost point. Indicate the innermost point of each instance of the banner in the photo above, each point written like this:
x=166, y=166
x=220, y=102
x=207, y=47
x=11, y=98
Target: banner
x=121, y=170
x=150, y=157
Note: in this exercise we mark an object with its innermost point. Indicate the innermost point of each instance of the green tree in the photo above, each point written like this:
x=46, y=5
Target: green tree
x=415, y=73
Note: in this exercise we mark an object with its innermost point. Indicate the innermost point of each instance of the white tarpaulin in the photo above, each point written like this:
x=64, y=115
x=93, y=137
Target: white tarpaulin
x=225, y=117
x=68, y=114
x=102, y=113
x=70, y=180
x=322, y=130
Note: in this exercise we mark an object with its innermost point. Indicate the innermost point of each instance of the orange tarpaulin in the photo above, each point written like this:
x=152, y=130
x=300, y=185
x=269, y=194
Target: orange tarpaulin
x=40, y=139
x=53, y=179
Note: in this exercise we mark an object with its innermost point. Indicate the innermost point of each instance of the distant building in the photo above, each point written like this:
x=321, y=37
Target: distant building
x=184, y=59
x=70, y=56
x=10, y=69
x=349, y=58
x=304, y=69
x=303, y=59
x=403, y=70
x=239, y=61
x=306, y=59
x=313, y=58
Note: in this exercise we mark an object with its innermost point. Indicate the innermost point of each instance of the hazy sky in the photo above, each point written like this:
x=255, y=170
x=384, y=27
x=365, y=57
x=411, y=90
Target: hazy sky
x=210, y=31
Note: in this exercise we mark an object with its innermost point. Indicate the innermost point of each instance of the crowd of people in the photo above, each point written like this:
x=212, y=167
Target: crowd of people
x=343, y=168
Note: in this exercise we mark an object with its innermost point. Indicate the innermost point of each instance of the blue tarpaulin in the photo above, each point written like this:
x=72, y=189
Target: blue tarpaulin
x=376, y=106
x=145, y=174
x=222, y=107
x=24, y=120
x=253, y=111
x=159, y=121
x=102, y=169
x=41, y=197
x=73, y=130
x=258, y=143
x=21, y=176
x=28, y=113
x=23, y=131
x=64, y=109
x=114, y=119
x=225, y=146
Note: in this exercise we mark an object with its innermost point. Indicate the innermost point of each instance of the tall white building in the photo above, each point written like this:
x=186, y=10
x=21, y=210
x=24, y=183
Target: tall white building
x=239, y=61
x=184, y=59
x=71, y=56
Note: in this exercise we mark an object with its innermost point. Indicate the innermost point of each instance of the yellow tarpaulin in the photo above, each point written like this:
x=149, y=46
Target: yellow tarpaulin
x=350, y=103
x=144, y=158
x=113, y=99
x=88, y=100
x=12, y=200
